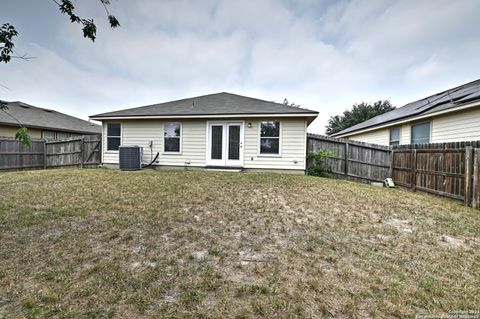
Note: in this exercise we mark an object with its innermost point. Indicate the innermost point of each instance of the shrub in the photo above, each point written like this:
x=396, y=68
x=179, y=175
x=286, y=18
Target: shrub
x=317, y=161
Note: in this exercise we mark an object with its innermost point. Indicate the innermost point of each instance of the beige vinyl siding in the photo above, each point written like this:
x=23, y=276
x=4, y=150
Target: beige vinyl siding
x=452, y=127
x=141, y=132
x=405, y=134
x=194, y=143
x=35, y=133
x=381, y=137
x=456, y=127
x=293, y=136
x=9, y=131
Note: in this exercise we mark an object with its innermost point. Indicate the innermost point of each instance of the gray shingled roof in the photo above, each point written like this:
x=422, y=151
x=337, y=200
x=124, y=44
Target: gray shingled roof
x=450, y=99
x=212, y=104
x=32, y=116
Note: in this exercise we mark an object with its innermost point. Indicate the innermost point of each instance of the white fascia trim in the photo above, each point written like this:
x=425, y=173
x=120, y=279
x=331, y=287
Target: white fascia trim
x=467, y=106
x=100, y=118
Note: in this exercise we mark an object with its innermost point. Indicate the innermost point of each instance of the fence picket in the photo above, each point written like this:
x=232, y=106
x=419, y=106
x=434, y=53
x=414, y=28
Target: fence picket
x=476, y=179
x=42, y=154
x=468, y=174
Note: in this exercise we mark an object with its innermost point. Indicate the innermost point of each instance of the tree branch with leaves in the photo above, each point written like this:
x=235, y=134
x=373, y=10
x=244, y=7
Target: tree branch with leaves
x=89, y=28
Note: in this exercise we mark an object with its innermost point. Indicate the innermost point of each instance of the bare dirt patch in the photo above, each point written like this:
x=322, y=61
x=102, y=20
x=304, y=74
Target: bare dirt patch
x=403, y=226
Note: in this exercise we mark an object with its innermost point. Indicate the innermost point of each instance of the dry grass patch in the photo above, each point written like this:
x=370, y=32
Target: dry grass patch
x=110, y=244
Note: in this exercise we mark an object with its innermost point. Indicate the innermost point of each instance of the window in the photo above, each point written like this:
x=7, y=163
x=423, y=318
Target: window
x=171, y=137
x=63, y=136
x=113, y=136
x=270, y=137
x=421, y=133
x=48, y=135
x=394, y=136
x=57, y=136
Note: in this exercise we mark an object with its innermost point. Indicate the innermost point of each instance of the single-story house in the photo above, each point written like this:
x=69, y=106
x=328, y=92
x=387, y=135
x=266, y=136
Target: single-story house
x=449, y=116
x=220, y=130
x=43, y=123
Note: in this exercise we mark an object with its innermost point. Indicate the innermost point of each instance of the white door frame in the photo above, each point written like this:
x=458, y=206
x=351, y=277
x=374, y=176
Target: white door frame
x=225, y=161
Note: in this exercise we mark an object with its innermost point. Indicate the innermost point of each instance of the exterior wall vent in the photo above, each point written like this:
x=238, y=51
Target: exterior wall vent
x=130, y=157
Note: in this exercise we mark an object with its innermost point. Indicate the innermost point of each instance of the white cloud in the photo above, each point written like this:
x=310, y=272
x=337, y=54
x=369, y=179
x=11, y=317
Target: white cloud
x=425, y=70
x=320, y=54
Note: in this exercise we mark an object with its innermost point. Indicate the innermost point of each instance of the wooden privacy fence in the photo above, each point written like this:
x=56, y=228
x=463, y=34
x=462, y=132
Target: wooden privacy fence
x=84, y=151
x=13, y=155
x=445, y=169
x=353, y=160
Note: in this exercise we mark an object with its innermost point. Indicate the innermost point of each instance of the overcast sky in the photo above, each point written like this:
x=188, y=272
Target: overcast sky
x=323, y=55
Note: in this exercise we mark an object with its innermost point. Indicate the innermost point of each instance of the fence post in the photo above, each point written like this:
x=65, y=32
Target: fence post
x=346, y=160
x=414, y=169
x=468, y=174
x=390, y=170
x=44, y=154
x=82, y=141
x=476, y=179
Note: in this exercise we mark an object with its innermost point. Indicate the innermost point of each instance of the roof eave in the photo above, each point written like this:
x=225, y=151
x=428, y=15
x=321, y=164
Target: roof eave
x=101, y=117
x=52, y=128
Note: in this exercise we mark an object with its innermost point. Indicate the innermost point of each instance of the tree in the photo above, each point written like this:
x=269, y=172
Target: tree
x=8, y=33
x=287, y=103
x=359, y=113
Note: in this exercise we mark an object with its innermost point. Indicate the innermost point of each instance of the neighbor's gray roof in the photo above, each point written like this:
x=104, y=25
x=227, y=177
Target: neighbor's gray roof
x=36, y=117
x=212, y=104
x=450, y=99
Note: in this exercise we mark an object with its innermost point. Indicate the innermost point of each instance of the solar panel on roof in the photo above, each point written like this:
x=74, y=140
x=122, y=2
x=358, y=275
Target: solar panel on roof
x=444, y=100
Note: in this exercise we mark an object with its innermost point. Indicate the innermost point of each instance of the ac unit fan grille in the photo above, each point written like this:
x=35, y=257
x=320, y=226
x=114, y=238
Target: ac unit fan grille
x=130, y=158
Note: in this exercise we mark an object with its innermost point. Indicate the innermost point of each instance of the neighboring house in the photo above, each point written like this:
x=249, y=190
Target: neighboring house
x=216, y=130
x=43, y=123
x=450, y=116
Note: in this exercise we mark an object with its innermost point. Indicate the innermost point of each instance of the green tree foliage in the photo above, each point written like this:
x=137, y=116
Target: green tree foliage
x=7, y=33
x=23, y=136
x=359, y=113
x=89, y=28
x=7, y=45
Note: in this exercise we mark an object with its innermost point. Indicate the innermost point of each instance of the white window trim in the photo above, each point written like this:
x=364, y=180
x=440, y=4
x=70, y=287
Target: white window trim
x=429, y=130
x=180, y=137
x=106, y=137
x=259, y=133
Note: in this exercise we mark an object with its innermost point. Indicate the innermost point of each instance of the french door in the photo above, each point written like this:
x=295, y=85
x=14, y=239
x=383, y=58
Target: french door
x=225, y=144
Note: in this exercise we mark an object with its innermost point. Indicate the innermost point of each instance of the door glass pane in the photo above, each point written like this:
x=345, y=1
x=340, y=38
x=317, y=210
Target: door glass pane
x=234, y=142
x=217, y=140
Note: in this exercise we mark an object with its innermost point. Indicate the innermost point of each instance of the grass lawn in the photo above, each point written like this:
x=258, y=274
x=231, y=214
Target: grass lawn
x=109, y=244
